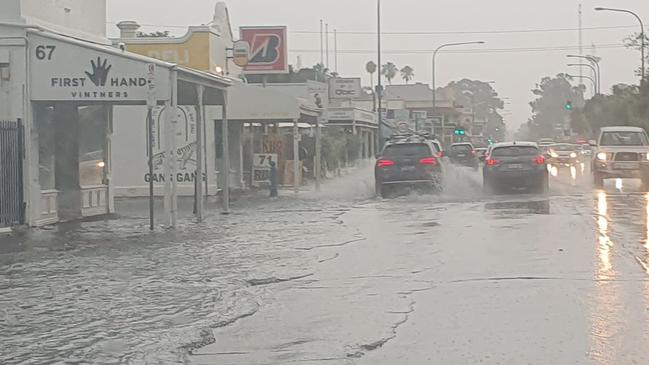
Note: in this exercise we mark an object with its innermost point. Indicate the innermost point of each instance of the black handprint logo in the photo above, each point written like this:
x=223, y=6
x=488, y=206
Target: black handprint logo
x=99, y=73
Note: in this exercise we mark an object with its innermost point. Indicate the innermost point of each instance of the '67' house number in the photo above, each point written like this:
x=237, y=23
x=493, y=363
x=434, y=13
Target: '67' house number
x=45, y=52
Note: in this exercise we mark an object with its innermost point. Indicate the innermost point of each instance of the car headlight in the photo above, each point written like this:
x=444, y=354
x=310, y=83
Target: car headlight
x=573, y=155
x=602, y=156
x=647, y=156
x=554, y=154
x=101, y=164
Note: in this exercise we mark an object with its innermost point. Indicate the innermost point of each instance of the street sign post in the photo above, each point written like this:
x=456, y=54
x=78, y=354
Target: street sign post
x=151, y=102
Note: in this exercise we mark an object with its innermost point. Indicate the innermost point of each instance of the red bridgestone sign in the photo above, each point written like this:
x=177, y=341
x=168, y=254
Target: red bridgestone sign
x=268, y=50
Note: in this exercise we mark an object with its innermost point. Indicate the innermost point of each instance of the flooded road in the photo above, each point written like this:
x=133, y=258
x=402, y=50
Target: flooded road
x=341, y=277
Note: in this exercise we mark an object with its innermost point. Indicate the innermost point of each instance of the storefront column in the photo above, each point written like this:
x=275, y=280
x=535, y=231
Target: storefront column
x=226, y=155
x=200, y=120
x=66, y=161
x=296, y=156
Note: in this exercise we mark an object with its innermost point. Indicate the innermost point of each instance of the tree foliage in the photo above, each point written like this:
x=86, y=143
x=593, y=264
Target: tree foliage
x=548, y=109
x=389, y=71
x=482, y=98
x=624, y=106
x=407, y=74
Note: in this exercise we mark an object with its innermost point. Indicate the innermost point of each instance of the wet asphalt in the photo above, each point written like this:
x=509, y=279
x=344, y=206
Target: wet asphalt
x=342, y=277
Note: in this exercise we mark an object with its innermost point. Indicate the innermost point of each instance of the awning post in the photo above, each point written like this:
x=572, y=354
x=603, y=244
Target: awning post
x=318, y=152
x=200, y=117
x=226, y=156
x=296, y=156
x=171, y=157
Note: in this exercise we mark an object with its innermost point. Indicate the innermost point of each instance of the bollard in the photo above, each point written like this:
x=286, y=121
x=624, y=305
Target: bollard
x=273, y=179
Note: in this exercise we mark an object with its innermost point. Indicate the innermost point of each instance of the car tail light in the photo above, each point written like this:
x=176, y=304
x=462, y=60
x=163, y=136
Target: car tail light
x=440, y=154
x=428, y=161
x=539, y=160
x=492, y=162
x=384, y=163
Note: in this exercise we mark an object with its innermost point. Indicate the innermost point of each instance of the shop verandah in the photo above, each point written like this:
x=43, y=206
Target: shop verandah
x=69, y=164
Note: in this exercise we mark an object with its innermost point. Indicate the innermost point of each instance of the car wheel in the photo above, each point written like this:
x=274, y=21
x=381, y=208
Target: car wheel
x=598, y=180
x=645, y=183
x=384, y=192
x=487, y=187
x=545, y=186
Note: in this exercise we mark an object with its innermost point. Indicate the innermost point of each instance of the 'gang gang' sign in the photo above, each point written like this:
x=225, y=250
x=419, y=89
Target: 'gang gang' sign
x=63, y=71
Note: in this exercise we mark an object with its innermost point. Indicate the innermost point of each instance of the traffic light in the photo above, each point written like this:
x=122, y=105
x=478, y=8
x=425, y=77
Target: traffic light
x=490, y=141
x=460, y=132
x=497, y=129
x=568, y=105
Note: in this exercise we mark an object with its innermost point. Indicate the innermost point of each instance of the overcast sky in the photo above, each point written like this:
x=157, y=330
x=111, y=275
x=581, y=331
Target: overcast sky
x=515, y=72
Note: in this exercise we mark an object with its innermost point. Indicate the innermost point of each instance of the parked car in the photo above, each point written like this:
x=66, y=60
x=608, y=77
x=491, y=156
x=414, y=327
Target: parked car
x=621, y=152
x=411, y=162
x=515, y=165
x=564, y=154
x=463, y=154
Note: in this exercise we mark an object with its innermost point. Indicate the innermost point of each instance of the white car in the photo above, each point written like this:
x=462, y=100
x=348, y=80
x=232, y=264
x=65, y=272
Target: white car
x=621, y=152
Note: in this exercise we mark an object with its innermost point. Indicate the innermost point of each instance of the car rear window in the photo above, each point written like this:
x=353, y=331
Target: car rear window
x=624, y=139
x=461, y=148
x=564, y=147
x=407, y=149
x=513, y=151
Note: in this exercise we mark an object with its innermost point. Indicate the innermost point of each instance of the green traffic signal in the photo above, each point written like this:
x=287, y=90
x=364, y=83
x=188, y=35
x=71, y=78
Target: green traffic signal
x=460, y=132
x=568, y=105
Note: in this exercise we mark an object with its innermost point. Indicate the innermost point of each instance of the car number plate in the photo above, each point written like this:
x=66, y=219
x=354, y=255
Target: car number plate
x=461, y=155
x=626, y=165
x=408, y=168
x=515, y=166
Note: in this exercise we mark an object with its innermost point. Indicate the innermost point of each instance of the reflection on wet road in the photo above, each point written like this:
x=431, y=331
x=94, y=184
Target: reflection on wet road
x=342, y=277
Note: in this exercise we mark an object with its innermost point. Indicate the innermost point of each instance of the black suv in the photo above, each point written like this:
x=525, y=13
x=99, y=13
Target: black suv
x=411, y=161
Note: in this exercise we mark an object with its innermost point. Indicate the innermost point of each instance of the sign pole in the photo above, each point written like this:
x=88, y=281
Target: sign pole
x=150, y=143
x=151, y=103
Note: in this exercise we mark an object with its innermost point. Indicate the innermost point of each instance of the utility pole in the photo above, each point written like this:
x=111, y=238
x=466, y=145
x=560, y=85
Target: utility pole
x=581, y=45
x=321, y=43
x=379, y=90
x=336, y=50
x=327, y=44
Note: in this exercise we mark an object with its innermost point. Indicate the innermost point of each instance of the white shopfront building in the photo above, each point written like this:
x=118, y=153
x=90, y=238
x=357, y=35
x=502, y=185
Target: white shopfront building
x=64, y=91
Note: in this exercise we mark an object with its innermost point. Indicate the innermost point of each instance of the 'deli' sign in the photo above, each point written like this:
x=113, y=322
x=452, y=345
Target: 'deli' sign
x=73, y=71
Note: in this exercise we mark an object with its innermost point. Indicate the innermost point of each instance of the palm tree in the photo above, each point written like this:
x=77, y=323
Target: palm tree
x=389, y=71
x=407, y=74
x=321, y=72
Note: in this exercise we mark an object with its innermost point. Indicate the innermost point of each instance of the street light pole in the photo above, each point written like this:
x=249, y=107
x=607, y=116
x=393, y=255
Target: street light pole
x=583, y=77
x=642, y=36
x=597, y=87
x=434, y=81
x=593, y=61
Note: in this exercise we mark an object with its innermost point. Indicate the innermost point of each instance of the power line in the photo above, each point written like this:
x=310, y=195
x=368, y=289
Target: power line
x=464, y=51
x=476, y=32
x=543, y=30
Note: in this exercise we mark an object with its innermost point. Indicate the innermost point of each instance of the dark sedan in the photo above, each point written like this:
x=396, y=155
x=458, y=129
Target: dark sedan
x=515, y=165
x=463, y=154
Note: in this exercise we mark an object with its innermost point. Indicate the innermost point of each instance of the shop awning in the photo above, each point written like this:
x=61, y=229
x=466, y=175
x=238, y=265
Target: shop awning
x=348, y=116
x=255, y=104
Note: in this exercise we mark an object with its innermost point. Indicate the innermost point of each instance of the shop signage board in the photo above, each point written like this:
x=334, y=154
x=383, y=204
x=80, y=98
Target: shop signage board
x=344, y=88
x=267, y=47
x=67, y=71
x=261, y=168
